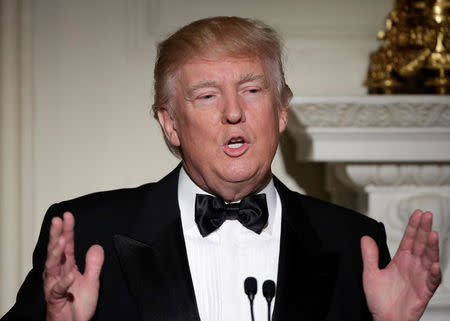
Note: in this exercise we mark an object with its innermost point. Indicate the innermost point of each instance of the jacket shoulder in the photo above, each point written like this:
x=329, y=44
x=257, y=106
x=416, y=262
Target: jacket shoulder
x=125, y=199
x=330, y=221
x=324, y=210
x=104, y=199
x=313, y=206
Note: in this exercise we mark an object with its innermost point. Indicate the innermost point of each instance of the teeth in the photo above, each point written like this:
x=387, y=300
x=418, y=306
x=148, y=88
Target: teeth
x=235, y=145
x=236, y=142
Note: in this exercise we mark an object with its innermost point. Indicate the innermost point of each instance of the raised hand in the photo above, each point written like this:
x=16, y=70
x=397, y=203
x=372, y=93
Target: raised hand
x=402, y=290
x=70, y=295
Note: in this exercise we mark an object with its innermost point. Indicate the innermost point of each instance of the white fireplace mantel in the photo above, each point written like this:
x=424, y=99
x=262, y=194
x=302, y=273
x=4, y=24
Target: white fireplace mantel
x=372, y=128
x=393, y=153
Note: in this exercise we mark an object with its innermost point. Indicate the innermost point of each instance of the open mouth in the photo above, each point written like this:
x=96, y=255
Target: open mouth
x=235, y=143
x=236, y=146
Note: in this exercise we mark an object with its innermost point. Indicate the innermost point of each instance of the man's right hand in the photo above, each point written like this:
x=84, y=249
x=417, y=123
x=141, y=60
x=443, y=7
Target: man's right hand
x=70, y=295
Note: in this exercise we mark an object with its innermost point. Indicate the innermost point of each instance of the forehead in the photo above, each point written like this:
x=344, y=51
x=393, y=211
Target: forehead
x=219, y=70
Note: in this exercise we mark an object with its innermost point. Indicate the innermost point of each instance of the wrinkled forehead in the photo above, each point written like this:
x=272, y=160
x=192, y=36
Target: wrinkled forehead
x=223, y=65
x=214, y=67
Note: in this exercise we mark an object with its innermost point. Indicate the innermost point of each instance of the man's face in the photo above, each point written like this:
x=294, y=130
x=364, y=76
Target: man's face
x=226, y=123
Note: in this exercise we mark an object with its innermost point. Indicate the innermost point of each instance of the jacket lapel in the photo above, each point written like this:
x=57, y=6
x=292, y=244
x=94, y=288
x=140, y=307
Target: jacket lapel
x=154, y=259
x=306, y=273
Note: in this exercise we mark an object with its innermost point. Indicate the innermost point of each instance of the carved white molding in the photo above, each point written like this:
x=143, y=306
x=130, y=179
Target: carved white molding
x=374, y=111
x=363, y=175
x=372, y=128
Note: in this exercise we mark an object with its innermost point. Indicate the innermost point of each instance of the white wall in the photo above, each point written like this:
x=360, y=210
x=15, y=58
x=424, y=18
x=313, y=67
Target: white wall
x=87, y=73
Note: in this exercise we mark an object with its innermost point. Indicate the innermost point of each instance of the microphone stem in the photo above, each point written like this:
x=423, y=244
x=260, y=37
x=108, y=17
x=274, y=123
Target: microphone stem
x=251, y=310
x=269, y=305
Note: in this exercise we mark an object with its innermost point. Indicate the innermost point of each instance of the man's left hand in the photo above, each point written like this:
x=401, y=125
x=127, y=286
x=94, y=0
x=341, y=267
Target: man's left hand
x=402, y=290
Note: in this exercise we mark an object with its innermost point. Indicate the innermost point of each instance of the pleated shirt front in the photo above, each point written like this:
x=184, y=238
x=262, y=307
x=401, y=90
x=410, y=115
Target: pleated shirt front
x=220, y=262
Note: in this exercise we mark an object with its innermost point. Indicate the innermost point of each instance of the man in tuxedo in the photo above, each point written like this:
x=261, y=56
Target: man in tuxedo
x=180, y=249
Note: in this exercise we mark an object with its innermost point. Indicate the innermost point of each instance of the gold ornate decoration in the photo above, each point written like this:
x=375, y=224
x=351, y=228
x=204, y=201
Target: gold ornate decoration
x=415, y=55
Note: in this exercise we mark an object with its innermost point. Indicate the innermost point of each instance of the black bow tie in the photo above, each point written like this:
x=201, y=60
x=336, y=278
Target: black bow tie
x=211, y=212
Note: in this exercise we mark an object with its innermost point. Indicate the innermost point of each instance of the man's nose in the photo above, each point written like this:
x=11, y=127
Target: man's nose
x=233, y=111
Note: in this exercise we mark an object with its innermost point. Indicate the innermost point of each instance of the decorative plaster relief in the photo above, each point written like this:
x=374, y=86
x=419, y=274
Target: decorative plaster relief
x=382, y=129
x=362, y=175
x=373, y=114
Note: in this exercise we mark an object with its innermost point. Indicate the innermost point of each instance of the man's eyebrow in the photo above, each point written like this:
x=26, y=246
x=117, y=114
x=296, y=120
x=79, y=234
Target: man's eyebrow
x=253, y=77
x=202, y=84
x=211, y=83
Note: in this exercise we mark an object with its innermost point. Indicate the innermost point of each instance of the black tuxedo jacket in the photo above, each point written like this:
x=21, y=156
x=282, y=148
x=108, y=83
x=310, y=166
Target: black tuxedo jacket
x=146, y=273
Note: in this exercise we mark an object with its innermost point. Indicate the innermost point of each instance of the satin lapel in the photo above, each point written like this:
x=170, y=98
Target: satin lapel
x=154, y=259
x=306, y=273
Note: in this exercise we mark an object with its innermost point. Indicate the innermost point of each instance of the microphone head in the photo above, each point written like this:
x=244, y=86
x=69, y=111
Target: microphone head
x=250, y=286
x=269, y=289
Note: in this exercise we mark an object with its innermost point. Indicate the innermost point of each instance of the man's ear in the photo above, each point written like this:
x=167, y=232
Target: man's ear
x=283, y=119
x=167, y=122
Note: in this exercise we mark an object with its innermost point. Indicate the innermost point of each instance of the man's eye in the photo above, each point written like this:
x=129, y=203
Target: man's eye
x=206, y=96
x=254, y=90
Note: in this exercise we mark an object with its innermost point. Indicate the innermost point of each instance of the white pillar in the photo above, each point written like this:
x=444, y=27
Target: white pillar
x=10, y=152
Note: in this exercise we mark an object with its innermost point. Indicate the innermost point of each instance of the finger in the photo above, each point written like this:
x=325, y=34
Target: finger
x=435, y=277
x=94, y=261
x=407, y=241
x=54, y=233
x=54, y=248
x=54, y=258
x=59, y=289
x=421, y=238
x=52, y=271
x=68, y=232
x=431, y=254
x=369, y=250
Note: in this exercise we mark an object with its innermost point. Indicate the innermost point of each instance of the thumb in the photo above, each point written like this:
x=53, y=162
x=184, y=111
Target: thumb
x=94, y=261
x=369, y=250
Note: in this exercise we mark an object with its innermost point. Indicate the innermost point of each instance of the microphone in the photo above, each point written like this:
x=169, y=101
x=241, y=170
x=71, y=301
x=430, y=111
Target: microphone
x=251, y=287
x=269, y=294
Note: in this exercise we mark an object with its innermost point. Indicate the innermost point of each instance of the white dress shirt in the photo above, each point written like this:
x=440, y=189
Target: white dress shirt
x=220, y=262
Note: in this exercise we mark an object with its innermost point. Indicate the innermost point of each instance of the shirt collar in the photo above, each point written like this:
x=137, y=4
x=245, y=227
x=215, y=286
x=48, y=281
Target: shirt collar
x=187, y=191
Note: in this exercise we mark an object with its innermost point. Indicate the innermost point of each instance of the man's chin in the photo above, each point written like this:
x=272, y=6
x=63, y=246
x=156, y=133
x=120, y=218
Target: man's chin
x=246, y=179
x=238, y=176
